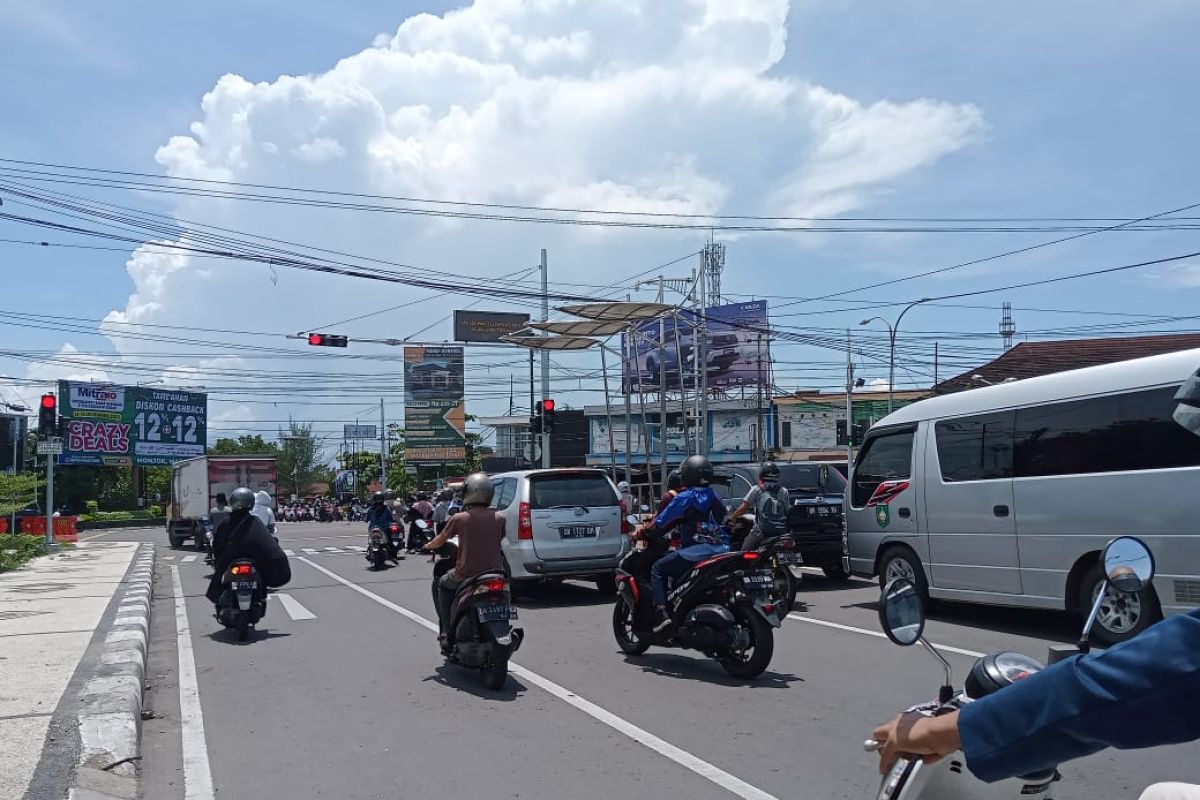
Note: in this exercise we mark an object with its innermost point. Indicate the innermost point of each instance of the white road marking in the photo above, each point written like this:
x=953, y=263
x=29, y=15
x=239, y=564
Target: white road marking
x=167, y=558
x=333, y=549
x=290, y=553
x=187, y=559
x=358, y=548
x=726, y=781
x=293, y=608
x=309, y=550
x=197, y=775
x=877, y=634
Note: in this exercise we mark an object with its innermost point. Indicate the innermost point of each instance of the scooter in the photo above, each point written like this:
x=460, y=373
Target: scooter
x=208, y=541
x=395, y=542
x=1128, y=568
x=480, y=633
x=377, y=549
x=243, y=600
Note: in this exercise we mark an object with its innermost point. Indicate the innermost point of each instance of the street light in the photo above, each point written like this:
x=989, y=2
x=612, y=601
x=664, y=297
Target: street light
x=892, y=328
x=17, y=407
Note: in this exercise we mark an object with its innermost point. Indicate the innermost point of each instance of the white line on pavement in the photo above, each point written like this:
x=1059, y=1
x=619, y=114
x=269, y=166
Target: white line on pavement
x=290, y=553
x=333, y=549
x=358, y=548
x=685, y=759
x=292, y=606
x=187, y=559
x=167, y=558
x=878, y=634
x=309, y=550
x=197, y=776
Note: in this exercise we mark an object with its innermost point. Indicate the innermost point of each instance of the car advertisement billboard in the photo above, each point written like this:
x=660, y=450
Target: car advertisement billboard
x=112, y=425
x=434, y=411
x=738, y=351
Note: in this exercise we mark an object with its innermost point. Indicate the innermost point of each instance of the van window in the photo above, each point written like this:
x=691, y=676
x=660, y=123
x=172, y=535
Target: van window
x=505, y=489
x=1132, y=431
x=975, y=448
x=886, y=456
x=571, y=489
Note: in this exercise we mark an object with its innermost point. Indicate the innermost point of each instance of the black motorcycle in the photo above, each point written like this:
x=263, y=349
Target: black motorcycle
x=723, y=608
x=377, y=549
x=780, y=554
x=395, y=542
x=480, y=633
x=243, y=599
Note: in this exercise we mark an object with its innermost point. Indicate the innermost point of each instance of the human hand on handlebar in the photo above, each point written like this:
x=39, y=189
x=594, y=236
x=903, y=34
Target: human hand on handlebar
x=916, y=735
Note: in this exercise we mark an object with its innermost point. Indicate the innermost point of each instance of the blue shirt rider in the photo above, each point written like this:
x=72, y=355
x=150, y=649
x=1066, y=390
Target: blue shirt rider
x=697, y=513
x=379, y=515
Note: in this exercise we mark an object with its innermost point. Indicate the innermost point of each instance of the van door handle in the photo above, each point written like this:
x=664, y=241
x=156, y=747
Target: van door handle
x=905, y=513
x=1000, y=511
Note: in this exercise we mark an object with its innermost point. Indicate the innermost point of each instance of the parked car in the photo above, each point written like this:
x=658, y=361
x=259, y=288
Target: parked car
x=561, y=523
x=817, y=492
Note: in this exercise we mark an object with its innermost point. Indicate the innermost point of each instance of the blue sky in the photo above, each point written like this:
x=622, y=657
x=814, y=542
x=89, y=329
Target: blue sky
x=1071, y=109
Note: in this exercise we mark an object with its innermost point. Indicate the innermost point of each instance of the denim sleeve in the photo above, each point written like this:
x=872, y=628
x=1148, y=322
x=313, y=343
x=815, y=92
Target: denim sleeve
x=1142, y=693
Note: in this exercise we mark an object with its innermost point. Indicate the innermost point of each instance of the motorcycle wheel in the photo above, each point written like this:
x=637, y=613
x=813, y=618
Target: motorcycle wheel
x=380, y=558
x=243, y=628
x=627, y=640
x=751, y=662
x=784, y=586
x=494, y=675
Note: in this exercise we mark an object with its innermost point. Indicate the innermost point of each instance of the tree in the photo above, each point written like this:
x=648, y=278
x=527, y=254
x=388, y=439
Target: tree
x=17, y=491
x=300, y=461
x=245, y=446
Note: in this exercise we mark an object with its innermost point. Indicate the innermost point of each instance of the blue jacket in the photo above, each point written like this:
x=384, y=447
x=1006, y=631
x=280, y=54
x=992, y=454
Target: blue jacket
x=379, y=516
x=1142, y=693
x=696, y=512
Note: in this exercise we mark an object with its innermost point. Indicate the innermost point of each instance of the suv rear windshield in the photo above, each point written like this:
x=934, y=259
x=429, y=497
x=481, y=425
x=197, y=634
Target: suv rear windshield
x=807, y=477
x=571, y=490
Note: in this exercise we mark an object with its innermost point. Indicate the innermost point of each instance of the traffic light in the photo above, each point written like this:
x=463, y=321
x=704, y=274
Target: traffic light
x=48, y=416
x=327, y=340
x=546, y=407
x=535, y=424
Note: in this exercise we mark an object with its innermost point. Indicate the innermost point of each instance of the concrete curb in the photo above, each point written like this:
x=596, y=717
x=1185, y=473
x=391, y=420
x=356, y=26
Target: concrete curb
x=110, y=711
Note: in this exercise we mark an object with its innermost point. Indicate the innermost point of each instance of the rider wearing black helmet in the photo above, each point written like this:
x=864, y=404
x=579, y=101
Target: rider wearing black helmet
x=243, y=535
x=479, y=529
x=769, y=502
x=379, y=515
x=696, y=513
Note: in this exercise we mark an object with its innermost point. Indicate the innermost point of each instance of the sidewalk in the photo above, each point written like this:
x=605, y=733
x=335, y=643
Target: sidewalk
x=63, y=689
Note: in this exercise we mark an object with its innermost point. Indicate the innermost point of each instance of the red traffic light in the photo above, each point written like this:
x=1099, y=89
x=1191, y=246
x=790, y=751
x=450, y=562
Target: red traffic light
x=548, y=405
x=327, y=340
x=49, y=401
x=315, y=339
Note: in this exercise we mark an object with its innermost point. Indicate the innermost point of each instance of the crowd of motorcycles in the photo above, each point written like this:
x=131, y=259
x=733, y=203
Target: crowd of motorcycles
x=726, y=607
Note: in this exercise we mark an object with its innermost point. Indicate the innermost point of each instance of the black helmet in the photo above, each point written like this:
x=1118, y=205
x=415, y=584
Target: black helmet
x=696, y=471
x=377, y=498
x=389, y=495
x=242, y=499
x=478, y=490
x=674, y=481
x=769, y=472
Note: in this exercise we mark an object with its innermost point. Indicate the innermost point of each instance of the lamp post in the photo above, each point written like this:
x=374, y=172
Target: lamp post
x=893, y=327
x=16, y=434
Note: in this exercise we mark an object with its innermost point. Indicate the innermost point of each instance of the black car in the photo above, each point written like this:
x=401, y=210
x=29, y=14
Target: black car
x=816, y=492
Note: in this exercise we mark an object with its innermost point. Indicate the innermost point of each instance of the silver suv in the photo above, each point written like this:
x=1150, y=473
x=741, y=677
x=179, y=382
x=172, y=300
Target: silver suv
x=561, y=523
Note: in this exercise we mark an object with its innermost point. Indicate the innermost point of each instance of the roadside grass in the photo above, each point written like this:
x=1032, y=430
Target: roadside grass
x=19, y=549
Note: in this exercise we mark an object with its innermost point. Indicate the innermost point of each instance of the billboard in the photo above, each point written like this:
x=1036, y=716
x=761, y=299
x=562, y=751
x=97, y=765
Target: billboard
x=434, y=412
x=738, y=349
x=486, y=326
x=360, y=432
x=344, y=482
x=107, y=424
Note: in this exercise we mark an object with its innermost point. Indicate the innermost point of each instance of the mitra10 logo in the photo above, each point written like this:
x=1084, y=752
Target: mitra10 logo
x=97, y=397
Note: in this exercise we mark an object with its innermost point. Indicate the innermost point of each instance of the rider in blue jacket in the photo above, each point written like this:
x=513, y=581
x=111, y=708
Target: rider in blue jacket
x=1141, y=693
x=697, y=512
x=378, y=514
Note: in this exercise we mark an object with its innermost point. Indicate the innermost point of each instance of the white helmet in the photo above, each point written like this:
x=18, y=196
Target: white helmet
x=623, y=487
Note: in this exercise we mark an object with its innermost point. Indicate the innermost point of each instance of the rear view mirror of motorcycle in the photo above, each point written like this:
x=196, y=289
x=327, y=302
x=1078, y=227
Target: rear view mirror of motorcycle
x=902, y=617
x=632, y=520
x=1128, y=568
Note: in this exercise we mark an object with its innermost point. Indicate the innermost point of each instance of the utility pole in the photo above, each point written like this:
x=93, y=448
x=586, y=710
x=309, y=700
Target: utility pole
x=849, y=403
x=545, y=356
x=627, y=341
x=50, y=459
x=701, y=352
x=382, y=447
x=662, y=388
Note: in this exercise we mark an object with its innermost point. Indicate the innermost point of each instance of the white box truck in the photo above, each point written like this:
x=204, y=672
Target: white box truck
x=196, y=482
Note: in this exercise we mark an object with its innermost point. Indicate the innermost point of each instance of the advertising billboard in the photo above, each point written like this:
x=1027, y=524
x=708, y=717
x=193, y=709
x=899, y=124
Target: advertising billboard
x=345, y=481
x=360, y=432
x=434, y=411
x=107, y=424
x=486, y=326
x=737, y=353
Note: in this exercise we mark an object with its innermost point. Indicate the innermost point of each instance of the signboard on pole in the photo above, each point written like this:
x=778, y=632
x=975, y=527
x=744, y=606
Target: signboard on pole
x=360, y=432
x=344, y=482
x=112, y=425
x=434, y=412
x=486, y=326
x=738, y=351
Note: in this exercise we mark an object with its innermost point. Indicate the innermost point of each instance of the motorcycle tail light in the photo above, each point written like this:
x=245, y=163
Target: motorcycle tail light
x=750, y=556
x=240, y=569
x=496, y=585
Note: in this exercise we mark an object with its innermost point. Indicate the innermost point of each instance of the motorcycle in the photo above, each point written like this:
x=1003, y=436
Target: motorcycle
x=243, y=599
x=781, y=554
x=395, y=542
x=377, y=549
x=208, y=541
x=480, y=633
x=723, y=608
x=1128, y=568
x=418, y=535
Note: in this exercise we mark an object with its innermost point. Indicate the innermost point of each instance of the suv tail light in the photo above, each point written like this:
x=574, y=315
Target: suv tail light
x=524, y=522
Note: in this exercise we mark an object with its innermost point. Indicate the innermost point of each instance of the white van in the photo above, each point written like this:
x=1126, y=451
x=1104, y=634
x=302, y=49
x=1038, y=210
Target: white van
x=1006, y=494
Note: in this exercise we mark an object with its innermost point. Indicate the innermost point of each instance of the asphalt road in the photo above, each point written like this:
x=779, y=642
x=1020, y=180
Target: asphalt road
x=342, y=694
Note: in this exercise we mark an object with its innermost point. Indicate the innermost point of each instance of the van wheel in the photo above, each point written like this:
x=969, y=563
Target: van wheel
x=176, y=541
x=900, y=562
x=1122, y=616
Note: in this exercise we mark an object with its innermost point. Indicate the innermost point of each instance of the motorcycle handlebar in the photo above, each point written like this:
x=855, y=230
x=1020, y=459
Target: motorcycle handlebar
x=872, y=746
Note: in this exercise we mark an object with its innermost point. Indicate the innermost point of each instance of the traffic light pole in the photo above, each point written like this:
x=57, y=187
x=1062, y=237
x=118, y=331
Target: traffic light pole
x=849, y=404
x=545, y=356
x=50, y=459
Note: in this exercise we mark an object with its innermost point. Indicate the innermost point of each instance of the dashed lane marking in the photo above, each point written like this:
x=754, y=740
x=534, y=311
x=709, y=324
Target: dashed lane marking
x=293, y=607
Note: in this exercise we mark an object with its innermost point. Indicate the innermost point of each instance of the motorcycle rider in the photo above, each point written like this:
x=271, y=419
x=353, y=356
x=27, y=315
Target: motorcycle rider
x=1140, y=693
x=441, y=511
x=479, y=529
x=770, y=502
x=243, y=535
x=628, y=502
x=674, y=485
x=262, y=510
x=695, y=512
x=219, y=511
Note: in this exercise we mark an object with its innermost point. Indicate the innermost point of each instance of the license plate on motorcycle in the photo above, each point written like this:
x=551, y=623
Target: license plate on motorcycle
x=497, y=613
x=788, y=558
x=756, y=580
x=577, y=532
x=246, y=586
